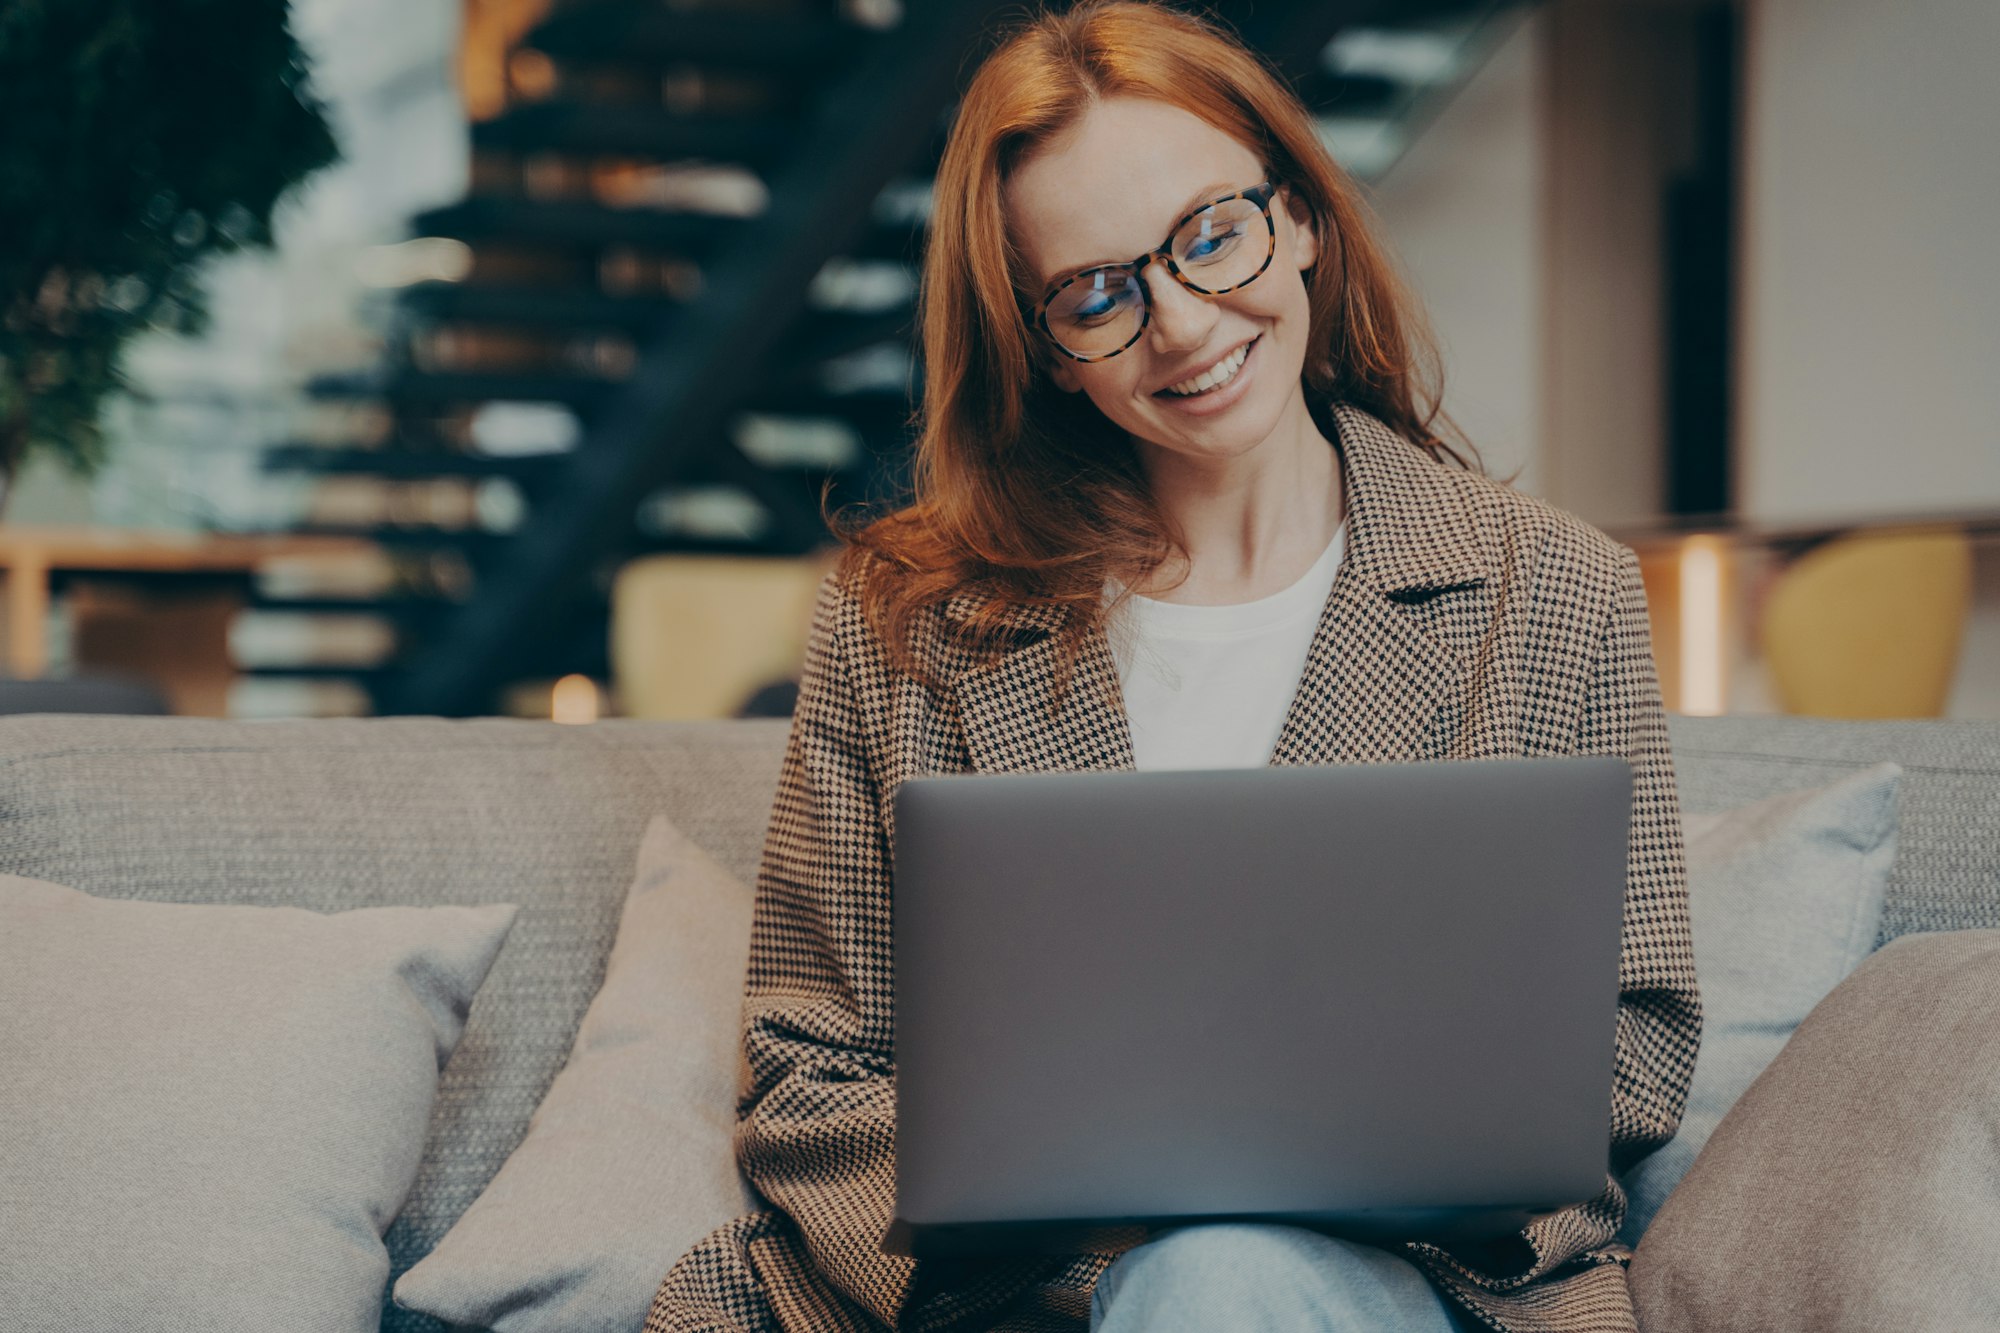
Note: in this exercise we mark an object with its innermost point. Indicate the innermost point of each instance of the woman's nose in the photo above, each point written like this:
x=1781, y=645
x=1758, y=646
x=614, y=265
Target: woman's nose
x=1180, y=320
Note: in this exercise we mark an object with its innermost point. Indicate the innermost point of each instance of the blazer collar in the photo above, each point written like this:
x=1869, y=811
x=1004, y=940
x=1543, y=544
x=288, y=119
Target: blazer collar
x=1374, y=677
x=1409, y=529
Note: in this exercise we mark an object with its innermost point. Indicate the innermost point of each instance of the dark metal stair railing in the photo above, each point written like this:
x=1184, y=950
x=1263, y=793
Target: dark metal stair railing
x=705, y=360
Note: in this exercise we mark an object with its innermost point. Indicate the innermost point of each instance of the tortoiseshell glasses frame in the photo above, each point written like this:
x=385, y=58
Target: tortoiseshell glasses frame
x=1260, y=194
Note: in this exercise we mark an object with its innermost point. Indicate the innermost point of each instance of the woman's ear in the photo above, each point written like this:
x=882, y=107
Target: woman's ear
x=1305, y=237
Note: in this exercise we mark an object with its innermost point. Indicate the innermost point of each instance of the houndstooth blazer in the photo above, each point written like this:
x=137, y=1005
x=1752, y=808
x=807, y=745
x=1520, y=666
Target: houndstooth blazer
x=1466, y=621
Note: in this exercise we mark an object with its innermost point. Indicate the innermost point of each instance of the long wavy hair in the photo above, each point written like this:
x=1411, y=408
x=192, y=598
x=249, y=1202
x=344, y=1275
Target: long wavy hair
x=1028, y=496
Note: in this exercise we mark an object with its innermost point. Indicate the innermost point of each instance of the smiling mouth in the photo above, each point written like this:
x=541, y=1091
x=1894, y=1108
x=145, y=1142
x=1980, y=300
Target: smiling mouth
x=1218, y=376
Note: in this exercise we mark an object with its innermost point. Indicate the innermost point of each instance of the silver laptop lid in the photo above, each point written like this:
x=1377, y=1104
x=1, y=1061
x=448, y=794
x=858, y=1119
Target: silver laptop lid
x=1378, y=997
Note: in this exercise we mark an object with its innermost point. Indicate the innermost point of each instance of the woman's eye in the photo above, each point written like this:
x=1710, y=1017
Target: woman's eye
x=1214, y=244
x=1094, y=311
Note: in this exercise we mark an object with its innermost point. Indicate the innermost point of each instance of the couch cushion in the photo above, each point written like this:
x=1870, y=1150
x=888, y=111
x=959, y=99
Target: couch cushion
x=1785, y=898
x=335, y=814
x=1947, y=872
x=628, y=1161
x=1855, y=1186
x=210, y=1113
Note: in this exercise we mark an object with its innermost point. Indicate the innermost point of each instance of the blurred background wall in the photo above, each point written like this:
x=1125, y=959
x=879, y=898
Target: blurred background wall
x=1864, y=319
x=1871, y=295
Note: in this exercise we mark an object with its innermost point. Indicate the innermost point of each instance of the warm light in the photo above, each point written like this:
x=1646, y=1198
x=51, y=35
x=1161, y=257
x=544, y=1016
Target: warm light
x=1702, y=666
x=532, y=74
x=573, y=700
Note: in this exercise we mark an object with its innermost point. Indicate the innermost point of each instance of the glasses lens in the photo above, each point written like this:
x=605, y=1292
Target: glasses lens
x=1223, y=246
x=1097, y=313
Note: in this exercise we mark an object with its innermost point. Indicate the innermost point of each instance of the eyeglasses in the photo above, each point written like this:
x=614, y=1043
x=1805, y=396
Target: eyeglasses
x=1221, y=246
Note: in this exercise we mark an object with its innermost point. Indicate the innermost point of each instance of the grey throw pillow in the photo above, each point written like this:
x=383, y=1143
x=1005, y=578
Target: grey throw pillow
x=628, y=1160
x=1856, y=1186
x=1785, y=899
x=210, y=1114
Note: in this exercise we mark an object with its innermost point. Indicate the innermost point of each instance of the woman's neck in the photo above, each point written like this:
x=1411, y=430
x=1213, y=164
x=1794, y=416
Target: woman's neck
x=1253, y=525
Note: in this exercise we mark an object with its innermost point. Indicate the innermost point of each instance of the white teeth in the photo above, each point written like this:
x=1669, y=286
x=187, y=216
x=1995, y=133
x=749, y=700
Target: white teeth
x=1221, y=373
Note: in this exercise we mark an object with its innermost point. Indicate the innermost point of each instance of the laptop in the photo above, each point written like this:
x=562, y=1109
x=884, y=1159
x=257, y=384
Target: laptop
x=1378, y=999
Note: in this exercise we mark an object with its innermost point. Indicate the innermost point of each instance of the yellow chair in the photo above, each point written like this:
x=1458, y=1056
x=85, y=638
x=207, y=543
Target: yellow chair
x=694, y=636
x=1869, y=625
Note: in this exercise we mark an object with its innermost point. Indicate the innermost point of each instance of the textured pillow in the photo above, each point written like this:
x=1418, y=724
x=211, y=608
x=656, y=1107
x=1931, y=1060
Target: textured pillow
x=1784, y=897
x=1856, y=1186
x=628, y=1160
x=210, y=1114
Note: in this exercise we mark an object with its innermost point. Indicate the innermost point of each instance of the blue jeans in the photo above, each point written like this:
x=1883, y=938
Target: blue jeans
x=1266, y=1276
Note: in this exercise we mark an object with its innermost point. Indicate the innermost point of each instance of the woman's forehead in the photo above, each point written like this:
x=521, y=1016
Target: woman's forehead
x=1110, y=186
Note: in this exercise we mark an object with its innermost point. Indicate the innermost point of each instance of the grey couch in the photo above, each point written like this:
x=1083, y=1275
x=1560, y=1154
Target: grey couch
x=333, y=815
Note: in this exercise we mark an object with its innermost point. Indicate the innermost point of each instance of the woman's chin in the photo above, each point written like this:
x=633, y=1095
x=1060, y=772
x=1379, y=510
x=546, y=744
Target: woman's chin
x=1215, y=444
x=1245, y=425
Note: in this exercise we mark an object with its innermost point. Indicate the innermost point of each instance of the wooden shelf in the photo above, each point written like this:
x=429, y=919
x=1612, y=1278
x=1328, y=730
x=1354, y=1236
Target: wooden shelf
x=31, y=553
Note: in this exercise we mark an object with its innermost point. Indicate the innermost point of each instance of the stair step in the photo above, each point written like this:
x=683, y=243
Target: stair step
x=364, y=676
x=825, y=334
x=565, y=308
x=905, y=244
x=584, y=127
x=391, y=607
x=580, y=223
x=820, y=335
x=475, y=544
x=479, y=544
x=617, y=30
x=1331, y=94
x=876, y=413
x=422, y=387
x=576, y=222
x=864, y=407
x=387, y=462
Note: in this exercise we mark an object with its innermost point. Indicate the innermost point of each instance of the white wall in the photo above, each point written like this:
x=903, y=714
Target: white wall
x=1528, y=217
x=1870, y=343
x=1462, y=210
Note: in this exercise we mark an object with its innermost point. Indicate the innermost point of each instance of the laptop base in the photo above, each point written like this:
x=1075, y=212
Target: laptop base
x=1105, y=1235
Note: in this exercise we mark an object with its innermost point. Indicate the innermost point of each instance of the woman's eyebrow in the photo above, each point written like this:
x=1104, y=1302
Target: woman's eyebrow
x=1213, y=190
x=1207, y=192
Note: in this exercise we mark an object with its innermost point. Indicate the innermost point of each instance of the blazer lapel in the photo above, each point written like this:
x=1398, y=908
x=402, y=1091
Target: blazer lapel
x=1372, y=683
x=1377, y=673
x=1005, y=713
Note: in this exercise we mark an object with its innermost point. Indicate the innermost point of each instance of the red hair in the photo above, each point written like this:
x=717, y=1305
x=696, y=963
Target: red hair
x=1028, y=495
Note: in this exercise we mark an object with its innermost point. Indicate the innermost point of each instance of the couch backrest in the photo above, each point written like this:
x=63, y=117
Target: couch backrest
x=1947, y=871
x=338, y=814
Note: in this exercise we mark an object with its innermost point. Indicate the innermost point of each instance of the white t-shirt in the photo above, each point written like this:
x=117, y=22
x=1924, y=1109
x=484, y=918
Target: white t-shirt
x=1209, y=686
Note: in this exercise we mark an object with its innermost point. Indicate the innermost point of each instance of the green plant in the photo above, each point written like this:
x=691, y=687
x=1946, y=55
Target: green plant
x=138, y=138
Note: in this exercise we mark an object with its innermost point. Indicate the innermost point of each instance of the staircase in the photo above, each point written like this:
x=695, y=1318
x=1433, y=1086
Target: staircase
x=673, y=307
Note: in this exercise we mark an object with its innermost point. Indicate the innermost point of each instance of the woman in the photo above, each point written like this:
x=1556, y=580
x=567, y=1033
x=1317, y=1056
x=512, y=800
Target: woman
x=1216, y=434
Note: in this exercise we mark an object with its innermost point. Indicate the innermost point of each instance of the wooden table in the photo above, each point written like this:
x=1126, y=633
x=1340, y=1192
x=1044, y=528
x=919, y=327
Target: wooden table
x=32, y=553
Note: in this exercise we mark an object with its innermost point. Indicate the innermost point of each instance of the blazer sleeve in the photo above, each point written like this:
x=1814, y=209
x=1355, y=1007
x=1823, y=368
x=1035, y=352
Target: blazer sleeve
x=816, y=1120
x=1659, y=1005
